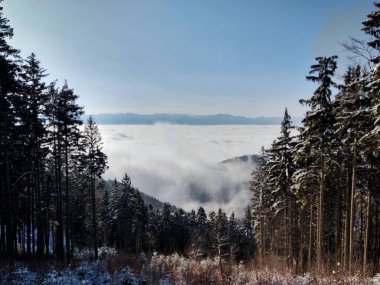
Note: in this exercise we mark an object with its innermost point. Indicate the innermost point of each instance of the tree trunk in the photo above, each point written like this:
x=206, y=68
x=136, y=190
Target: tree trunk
x=352, y=212
x=33, y=222
x=11, y=233
x=8, y=190
x=47, y=218
x=68, y=238
x=40, y=217
x=338, y=236
x=310, y=245
x=262, y=239
x=59, y=230
x=95, y=233
x=320, y=231
x=28, y=222
x=347, y=222
x=367, y=233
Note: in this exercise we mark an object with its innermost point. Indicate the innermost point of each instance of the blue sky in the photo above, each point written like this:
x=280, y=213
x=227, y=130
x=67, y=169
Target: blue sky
x=200, y=57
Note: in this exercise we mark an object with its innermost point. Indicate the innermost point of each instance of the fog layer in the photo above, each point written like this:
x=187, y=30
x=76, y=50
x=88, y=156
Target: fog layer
x=181, y=164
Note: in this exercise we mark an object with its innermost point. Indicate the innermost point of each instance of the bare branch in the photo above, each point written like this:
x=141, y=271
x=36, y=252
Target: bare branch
x=359, y=49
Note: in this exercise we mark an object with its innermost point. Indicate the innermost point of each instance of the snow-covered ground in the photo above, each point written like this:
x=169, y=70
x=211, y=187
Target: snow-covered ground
x=86, y=273
x=166, y=270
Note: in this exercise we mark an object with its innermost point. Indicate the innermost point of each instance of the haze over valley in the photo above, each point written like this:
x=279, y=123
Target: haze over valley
x=181, y=164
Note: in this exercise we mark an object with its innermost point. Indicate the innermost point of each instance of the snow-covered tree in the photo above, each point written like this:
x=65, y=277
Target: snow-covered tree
x=318, y=134
x=280, y=170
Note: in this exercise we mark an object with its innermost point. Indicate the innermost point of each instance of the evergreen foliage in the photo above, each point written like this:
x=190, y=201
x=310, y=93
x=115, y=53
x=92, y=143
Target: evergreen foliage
x=315, y=196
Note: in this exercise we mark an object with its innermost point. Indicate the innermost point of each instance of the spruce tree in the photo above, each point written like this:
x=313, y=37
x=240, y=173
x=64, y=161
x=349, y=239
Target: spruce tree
x=63, y=114
x=371, y=27
x=281, y=168
x=199, y=234
x=354, y=121
x=9, y=85
x=248, y=242
x=318, y=133
x=33, y=99
x=94, y=163
x=261, y=204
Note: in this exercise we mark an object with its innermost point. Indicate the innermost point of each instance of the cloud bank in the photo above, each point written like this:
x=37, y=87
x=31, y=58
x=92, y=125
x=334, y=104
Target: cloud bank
x=181, y=164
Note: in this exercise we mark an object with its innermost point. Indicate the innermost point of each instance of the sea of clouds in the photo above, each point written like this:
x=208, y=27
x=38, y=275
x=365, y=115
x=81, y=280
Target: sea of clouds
x=181, y=165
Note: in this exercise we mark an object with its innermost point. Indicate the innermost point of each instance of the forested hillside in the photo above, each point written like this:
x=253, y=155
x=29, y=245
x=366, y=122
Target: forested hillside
x=53, y=200
x=316, y=194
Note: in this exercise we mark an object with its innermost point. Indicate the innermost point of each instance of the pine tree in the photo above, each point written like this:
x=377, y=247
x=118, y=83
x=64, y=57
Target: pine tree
x=372, y=28
x=199, y=241
x=32, y=100
x=354, y=121
x=9, y=68
x=63, y=114
x=281, y=168
x=69, y=119
x=319, y=134
x=248, y=242
x=220, y=241
x=94, y=163
x=55, y=141
x=152, y=229
x=261, y=204
x=139, y=221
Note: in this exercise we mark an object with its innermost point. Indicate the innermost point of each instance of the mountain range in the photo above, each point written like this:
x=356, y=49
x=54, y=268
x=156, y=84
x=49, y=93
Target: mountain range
x=183, y=119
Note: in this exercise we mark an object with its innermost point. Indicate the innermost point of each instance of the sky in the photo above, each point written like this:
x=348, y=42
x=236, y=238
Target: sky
x=243, y=57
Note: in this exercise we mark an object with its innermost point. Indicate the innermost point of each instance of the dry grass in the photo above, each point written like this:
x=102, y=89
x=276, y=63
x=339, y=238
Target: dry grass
x=118, y=261
x=175, y=269
x=180, y=270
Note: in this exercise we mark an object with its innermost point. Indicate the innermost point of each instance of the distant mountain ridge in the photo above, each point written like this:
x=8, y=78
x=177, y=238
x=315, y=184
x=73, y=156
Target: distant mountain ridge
x=181, y=119
x=254, y=159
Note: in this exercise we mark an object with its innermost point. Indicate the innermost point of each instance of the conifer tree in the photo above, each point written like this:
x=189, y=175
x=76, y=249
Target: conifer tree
x=220, y=244
x=371, y=27
x=281, y=168
x=261, y=203
x=248, y=242
x=9, y=84
x=63, y=114
x=94, y=164
x=354, y=121
x=319, y=134
x=199, y=234
x=32, y=100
